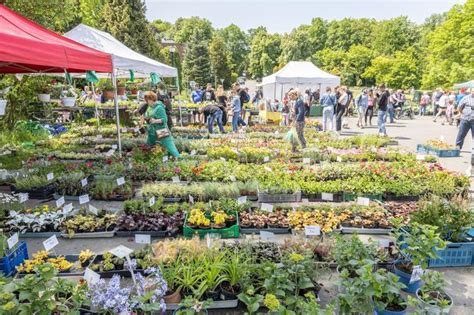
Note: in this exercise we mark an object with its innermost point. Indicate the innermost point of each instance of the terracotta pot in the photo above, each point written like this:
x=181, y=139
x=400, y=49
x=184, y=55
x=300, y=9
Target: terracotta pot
x=109, y=95
x=134, y=91
x=173, y=298
x=121, y=90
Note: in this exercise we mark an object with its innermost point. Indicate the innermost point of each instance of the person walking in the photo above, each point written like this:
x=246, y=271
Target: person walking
x=208, y=95
x=362, y=103
x=383, y=96
x=222, y=103
x=236, y=108
x=424, y=101
x=436, y=96
x=196, y=95
x=341, y=107
x=370, y=106
x=307, y=101
x=299, y=117
x=328, y=101
x=466, y=108
x=442, y=105
x=392, y=103
x=157, y=120
x=212, y=113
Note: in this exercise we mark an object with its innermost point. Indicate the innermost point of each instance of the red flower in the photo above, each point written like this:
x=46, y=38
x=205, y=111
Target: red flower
x=108, y=162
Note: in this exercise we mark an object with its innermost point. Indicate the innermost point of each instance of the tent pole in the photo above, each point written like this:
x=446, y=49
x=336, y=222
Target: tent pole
x=179, y=101
x=274, y=90
x=95, y=104
x=117, y=117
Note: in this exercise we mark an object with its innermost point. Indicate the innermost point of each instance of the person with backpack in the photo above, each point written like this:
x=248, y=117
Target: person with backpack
x=362, y=103
x=424, y=101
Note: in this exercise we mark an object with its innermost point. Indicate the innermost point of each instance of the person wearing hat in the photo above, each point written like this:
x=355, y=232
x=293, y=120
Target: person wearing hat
x=362, y=103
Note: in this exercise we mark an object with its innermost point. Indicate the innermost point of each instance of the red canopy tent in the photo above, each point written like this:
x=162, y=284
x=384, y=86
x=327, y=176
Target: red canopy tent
x=26, y=47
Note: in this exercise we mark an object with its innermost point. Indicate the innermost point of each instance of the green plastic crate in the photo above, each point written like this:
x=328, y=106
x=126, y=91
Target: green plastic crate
x=353, y=196
x=230, y=232
x=315, y=111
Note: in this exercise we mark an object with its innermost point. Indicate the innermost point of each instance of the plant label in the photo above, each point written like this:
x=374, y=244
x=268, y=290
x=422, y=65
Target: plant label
x=416, y=273
x=84, y=199
x=193, y=152
x=267, y=169
x=91, y=276
x=50, y=176
x=109, y=153
x=312, y=230
x=152, y=201
x=373, y=149
x=362, y=201
x=50, y=243
x=242, y=200
x=60, y=202
x=441, y=138
x=142, y=239
x=306, y=161
x=223, y=159
x=277, y=132
x=121, y=251
x=99, y=136
x=384, y=243
x=232, y=178
x=266, y=207
x=327, y=196
x=165, y=159
x=191, y=199
x=266, y=159
x=12, y=240
x=267, y=236
x=120, y=181
x=84, y=182
x=114, y=147
x=67, y=208
x=420, y=157
x=306, y=200
x=339, y=159
x=22, y=197
x=93, y=210
x=175, y=179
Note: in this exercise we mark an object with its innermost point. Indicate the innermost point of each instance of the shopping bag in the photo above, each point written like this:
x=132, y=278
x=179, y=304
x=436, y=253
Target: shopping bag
x=292, y=137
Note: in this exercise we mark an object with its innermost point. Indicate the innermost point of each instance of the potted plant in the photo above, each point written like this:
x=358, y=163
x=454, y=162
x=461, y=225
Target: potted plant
x=85, y=257
x=69, y=98
x=431, y=297
x=107, y=89
x=121, y=87
x=191, y=306
x=416, y=243
x=44, y=91
x=348, y=253
x=172, y=295
x=235, y=268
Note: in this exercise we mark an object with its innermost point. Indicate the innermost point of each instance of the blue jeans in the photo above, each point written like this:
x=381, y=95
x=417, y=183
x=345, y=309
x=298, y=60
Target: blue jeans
x=382, y=115
x=236, y=121
x=210, y=121
x=328, y=113
x=422, y=110
x=464, y=127
x=391, y=112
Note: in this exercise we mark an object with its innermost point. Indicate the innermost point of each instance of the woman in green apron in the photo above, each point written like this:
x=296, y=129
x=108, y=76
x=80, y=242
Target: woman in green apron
x=157, y=120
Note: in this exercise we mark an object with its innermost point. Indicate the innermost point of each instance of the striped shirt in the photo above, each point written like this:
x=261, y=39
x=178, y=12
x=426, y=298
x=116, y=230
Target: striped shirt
x=466, y=105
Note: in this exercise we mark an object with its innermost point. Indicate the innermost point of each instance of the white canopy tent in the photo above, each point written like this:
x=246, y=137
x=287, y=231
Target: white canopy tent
x=468, y=84
x=297, y=74
x=124, y=59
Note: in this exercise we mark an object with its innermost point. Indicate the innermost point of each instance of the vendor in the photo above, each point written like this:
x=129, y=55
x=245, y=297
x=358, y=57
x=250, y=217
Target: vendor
x=156, y=118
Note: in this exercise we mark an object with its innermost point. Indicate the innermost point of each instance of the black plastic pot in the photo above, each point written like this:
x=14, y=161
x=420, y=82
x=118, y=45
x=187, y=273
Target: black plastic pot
x=229, y=295
x=213, y=295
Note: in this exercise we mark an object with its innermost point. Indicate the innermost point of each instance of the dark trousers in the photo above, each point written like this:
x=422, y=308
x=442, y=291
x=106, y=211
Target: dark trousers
x=340, y=110
x=369, y=113
x=464, y=128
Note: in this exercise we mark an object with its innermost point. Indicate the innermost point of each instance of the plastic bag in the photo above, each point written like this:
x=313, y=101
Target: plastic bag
x=292, y=137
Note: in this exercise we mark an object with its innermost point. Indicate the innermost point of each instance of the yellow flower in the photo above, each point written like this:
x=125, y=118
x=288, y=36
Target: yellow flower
x=9, y=306
x=296, y=257
x=271, y=302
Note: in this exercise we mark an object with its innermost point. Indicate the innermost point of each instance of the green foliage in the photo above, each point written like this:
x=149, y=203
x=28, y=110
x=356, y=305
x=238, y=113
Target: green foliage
x=220, y=60
x=197, y=66
x=187, y=30
x=342, y=34
x=264, y=51
x=394, y=35
x=237, y=44
x=90, y=12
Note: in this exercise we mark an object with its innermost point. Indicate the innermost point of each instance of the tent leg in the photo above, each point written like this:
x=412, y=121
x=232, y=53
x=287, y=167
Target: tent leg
x=117, y=116
x=95, y=104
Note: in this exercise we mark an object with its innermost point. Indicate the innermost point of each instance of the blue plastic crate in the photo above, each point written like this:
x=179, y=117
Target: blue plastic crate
x=9, y=263
x=454, y=255
x=420, y=148
x=445, y=153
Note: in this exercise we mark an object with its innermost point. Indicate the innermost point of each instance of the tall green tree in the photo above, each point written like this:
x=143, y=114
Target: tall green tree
x=342, y=34
x=197, y=66
x=186, y=30
x=220, y=60
x=451, y=49
x=237, y=44
x=393, y=35
x=264, y=52
x=90, y=12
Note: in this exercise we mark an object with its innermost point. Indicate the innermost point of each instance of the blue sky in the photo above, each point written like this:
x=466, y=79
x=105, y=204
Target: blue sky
x=282, y=16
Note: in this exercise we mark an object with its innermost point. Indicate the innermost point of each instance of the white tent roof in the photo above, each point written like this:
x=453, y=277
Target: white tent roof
x=123, y=58
x=468, y=84
x=301, y=73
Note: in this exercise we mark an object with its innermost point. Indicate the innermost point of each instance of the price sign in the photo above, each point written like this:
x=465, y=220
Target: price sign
x=267, y=236
x=232, y=178
x=339, y=159
x=306, y=161
x=223, y=159
x=416, y=273
x=60, y=202
x=327, y=196
x=267, y=169
x=114, y=147
x=242, y=200
x=120, y=181
x=312, y=230
x=277, y=132
x=191, y=199
x=84, y=182
x=152, y=201
x=363, y=201
x=420, y=157
x=50, y=176
x=266, y=159
x=22, y=197
x=109, y=153
x=67, y=208
x=142, y=239
x=384, y=243
x=12, y=240
x=165, y=159
x=91, y=276
x=193, y=152
x=84, y=199
x=175, y=179
x=93, y=210
x=50, y=243
x=121, y=251
x=266, y=207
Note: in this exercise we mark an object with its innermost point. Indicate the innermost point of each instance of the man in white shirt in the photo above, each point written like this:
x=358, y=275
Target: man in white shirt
x=443, y=105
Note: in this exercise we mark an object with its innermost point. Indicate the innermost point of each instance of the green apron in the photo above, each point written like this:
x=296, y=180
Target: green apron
x=158, y=112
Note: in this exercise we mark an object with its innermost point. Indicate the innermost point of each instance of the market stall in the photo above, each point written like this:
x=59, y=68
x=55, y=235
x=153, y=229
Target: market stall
x=297, y=74
x=467, y=85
